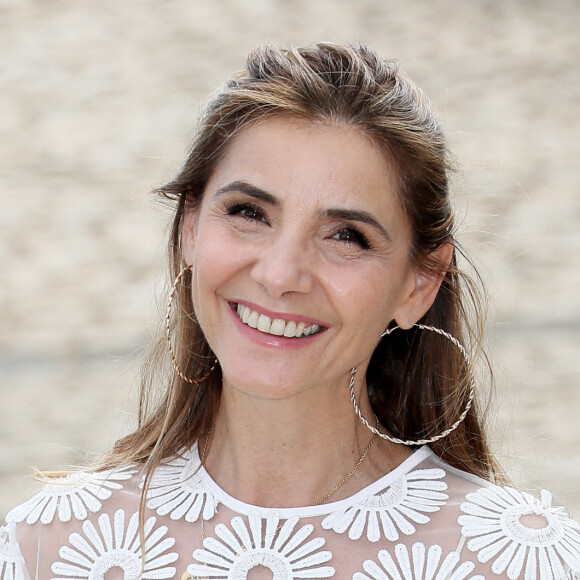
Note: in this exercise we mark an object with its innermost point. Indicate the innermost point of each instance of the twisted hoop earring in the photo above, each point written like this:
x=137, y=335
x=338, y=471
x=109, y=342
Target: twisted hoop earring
x=448, y=430
x=168, y=334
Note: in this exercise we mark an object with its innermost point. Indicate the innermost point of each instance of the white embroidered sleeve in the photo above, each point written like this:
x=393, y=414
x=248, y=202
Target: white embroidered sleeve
x=519, y=534
x=11, y=561
x=74, y=496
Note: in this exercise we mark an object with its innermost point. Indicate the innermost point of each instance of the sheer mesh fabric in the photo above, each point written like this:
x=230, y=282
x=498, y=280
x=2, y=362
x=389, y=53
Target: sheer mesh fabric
x=422, y=520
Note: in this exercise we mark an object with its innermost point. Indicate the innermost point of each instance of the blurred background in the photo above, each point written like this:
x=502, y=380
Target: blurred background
x=97, y=105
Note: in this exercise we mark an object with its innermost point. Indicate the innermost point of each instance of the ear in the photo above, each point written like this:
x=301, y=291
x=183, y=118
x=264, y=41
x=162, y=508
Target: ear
x=189, y=234
x=424, y=289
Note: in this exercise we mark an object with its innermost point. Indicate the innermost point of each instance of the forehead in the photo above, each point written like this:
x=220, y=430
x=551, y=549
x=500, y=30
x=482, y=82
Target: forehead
x=319, y=163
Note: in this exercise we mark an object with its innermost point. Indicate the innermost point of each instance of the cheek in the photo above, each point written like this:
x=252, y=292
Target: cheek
x=208, y=264
x=373, y=296
x=211, y=247
x=217, y=258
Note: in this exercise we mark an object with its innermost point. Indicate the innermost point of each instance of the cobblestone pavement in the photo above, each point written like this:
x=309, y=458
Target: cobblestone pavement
x=98, y=101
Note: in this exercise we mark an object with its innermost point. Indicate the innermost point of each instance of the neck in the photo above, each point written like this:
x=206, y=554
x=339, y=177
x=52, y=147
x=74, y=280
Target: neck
x=287, y=453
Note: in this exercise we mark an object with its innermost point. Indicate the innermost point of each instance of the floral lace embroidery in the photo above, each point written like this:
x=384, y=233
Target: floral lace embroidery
x=420, y=564
x=278, y=547
x=91, y=555
x=177, y=489
x=10, y=559
x=77, y=494
x=496, y=523
x=403, y=502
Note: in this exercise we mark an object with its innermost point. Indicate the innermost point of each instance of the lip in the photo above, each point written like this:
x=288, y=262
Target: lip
x=271, y=340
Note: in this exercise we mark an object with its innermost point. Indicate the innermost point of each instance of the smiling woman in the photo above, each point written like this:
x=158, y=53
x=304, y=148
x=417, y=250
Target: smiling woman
x=322, y=419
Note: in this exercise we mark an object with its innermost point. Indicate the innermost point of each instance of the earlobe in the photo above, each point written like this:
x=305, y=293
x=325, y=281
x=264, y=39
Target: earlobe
x=425, y=289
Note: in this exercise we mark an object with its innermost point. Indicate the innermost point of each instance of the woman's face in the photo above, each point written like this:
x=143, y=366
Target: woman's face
x=300, y=253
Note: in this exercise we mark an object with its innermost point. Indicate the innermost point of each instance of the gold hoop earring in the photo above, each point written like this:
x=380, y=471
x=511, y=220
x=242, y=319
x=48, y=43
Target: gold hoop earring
x=168, y=334
x=374, y=430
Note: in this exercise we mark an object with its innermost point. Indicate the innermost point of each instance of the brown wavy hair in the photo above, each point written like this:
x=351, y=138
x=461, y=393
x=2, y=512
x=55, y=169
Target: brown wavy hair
x=418, y=381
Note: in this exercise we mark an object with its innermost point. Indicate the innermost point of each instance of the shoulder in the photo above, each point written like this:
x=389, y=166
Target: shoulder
x=518, y=533
x=505, y=531
x=75, y=496
x=63, y=507
x=84, y=520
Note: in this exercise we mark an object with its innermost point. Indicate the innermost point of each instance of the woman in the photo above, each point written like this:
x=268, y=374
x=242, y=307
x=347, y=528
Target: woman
x=320, y=421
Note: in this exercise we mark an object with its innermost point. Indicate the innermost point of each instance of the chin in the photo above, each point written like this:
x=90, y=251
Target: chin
x=262, y=384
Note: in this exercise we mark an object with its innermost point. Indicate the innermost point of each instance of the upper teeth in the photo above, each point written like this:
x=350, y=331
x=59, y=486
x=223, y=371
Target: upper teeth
x=276, y=326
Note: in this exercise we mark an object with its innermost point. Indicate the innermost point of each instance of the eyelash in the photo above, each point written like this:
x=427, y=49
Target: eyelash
x=237, y=208
x=352, y=234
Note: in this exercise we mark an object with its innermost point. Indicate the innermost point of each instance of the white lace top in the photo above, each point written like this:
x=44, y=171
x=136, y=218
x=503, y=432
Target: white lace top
x=423, y=521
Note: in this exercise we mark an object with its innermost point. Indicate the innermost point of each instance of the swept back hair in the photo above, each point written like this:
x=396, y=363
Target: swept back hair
x=417, y=381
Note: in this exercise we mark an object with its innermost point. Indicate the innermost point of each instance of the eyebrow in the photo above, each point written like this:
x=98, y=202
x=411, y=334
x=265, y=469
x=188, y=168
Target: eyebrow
x=356, y=215
x=353, y=215
x=248, y=189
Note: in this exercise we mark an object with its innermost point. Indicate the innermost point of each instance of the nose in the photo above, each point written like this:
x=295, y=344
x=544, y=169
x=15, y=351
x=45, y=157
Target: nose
x=284, y=266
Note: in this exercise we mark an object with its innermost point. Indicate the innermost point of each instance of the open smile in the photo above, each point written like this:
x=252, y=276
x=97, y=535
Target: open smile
x=275, y=326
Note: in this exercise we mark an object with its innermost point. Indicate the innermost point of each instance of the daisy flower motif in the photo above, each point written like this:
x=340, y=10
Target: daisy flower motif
x=75, y=495
x=404, y=503
x=93, y=553
x=281, y=548
x=520, y=533
x=11, y=562
x=177, y=489
x=420, y=564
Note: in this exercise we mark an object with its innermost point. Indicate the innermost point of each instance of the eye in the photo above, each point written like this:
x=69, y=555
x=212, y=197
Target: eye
x=351, y=235
x=249, y=211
